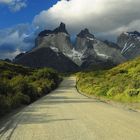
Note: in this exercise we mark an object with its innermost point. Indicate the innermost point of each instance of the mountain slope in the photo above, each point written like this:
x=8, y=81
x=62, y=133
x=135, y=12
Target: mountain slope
x=46, y=57
x=8, y=70
x=121, y=83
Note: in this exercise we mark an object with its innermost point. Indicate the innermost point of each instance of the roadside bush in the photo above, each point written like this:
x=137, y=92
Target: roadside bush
x=121, y=83
x=4, y=106
x=5, y=88
x=47, y=73
x=133, y=92
x=21, y=86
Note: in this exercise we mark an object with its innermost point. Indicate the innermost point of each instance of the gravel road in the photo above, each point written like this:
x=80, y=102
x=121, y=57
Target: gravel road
x=66, y=115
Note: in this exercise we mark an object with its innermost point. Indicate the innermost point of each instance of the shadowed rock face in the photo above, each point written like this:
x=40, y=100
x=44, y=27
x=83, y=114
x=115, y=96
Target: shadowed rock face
x=85, y=33
x=96, y=53
x=129, y=43
x=60, y=29
x=58, y=38
x=46, y=57
x=112, y=44
x=54, y=49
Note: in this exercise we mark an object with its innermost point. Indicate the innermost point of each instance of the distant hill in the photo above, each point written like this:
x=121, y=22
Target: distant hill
x=121, y=83
x=9, y=70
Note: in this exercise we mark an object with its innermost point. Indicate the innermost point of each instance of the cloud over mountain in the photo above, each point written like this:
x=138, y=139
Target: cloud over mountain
x=101, y=16
x=105, y=18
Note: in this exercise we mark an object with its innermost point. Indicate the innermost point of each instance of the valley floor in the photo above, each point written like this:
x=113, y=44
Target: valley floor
x=66, y=115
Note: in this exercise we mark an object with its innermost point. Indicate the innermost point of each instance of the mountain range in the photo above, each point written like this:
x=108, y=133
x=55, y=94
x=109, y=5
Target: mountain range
x=53, y=48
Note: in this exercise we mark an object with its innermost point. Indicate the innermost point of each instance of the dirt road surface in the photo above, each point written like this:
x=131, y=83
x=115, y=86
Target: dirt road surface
x=66, y=115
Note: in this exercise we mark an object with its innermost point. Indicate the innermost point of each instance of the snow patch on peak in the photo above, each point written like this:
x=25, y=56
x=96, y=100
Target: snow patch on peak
x=54, y=49
x=104, y=56
x=125, y=33
x=74, y=54
x=89, y=38
x=127, y=46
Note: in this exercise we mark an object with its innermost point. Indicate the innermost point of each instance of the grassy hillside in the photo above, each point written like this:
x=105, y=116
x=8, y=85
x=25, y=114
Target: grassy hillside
x=21, y=86
x=121, y=83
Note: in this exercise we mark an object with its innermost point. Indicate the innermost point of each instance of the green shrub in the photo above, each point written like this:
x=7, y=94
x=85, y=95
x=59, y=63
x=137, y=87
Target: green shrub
x=5, y=88
x=133, y=92
x=4, y=106
x=121, y=83
x=21, y=86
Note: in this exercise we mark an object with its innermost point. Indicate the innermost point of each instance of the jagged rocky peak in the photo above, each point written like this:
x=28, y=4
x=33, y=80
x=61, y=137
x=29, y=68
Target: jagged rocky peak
x=85, y=33
x=57, y=39
x=96, y=52
x=130, y=35
x=129, y=43
x=134, y=34
x=60, y=29
x=84, y=40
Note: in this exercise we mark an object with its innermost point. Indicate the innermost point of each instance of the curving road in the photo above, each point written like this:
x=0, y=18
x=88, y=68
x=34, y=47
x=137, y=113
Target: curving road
x=66, y=115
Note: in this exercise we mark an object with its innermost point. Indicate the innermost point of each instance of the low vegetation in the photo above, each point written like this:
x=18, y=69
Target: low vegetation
x=121, y=83
x=21, y=86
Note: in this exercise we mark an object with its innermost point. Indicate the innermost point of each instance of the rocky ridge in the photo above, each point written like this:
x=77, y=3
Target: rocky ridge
x=54, y=49
x=129, y=43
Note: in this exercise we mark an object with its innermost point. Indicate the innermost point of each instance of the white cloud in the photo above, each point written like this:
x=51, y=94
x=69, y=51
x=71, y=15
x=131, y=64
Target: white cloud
x=6, y=1
x=14, y=5
x=15, y=40
x=10, y=55
x=106, y=18
x=113, y=34
x=100, y=16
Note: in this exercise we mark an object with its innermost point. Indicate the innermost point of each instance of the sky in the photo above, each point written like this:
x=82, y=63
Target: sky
x=10, y=15
x=21, y=20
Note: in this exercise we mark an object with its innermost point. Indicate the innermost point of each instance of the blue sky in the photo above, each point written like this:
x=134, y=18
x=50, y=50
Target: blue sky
x=25, y=15
x=22, y=20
